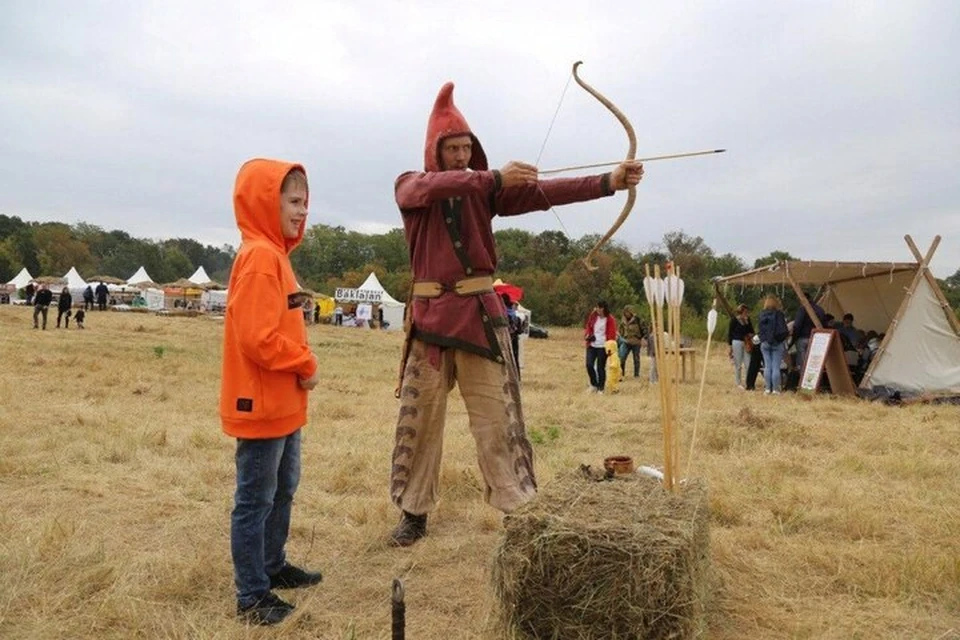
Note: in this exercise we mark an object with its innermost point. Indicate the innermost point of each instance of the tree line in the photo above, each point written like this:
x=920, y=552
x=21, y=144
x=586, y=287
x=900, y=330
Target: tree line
x=51, y=248
x=546, y=265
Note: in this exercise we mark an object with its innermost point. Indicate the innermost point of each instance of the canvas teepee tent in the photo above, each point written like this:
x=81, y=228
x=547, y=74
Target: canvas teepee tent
x=920, y=353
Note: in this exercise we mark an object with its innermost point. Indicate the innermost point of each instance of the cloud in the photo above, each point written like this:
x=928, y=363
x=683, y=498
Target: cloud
x=842, y=120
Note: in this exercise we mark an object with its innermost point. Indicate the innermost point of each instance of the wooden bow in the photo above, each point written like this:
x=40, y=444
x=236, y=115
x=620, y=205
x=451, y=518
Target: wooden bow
x=631, y=154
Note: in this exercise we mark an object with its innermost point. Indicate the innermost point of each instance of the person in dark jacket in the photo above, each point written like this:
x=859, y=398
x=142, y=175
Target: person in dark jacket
x=803, y=325
x=41, y=303
x=102, y=296
x=63, y=307
x=79, y=318
x=738, y=337
x=88, y=298
x=631, y=337
x=753, y=368
x=29, y=291
x=773, y=332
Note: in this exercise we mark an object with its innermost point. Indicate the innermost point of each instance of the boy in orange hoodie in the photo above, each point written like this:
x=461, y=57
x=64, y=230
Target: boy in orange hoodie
x=267, y=371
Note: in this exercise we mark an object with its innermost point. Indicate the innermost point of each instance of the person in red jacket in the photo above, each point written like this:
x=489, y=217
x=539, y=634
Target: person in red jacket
x=600, y=327
x=268, y=369
x=456, y=324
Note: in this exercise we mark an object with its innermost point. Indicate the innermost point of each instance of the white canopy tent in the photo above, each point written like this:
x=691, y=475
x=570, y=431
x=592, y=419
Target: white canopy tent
x=22, y=279
x=140, y=276
x=8, y=292
x=372, y=292
x=200, y=276
x=920, y=353
x=74, y=281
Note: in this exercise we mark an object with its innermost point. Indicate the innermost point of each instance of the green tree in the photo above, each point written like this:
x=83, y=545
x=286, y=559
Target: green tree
x=58, y=250
x=772, y=257
x=8, y=267
x=513, y=250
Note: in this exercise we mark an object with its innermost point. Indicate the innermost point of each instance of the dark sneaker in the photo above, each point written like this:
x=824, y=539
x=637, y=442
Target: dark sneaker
x=266, y=611
x=410, y=529
x=291, y=577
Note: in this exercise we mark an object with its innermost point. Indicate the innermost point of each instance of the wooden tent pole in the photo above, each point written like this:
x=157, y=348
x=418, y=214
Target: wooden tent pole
x=803, y=300
x=723, y=301
x=947, y=309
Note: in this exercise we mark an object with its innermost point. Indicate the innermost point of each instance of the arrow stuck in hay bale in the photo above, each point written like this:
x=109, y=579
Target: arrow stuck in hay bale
x=618, y=559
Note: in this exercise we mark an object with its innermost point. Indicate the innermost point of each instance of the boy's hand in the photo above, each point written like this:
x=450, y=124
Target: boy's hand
x=312, y=381
x=627, y=174
x=516, y=173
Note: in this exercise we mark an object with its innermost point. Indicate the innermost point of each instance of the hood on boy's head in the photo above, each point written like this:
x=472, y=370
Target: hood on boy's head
x=256, y=201
x=446, y=121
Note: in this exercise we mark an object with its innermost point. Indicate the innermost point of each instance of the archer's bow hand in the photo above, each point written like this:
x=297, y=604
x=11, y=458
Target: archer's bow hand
x=516, y=173
x=627, y=174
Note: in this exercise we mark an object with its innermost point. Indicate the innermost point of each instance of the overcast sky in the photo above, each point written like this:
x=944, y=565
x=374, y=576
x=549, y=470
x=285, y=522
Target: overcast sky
x=842, y=119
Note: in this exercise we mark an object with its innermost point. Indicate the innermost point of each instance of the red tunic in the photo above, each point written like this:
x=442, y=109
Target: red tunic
x=447, y=219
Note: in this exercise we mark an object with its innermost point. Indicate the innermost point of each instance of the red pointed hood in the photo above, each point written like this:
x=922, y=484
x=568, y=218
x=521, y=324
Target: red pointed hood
x=445, y=121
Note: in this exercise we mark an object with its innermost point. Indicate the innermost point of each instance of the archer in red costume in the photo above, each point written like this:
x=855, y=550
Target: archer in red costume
x=456, y=325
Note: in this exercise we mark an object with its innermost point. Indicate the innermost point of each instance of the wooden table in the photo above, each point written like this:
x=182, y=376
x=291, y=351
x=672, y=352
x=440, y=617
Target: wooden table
x=685, y=352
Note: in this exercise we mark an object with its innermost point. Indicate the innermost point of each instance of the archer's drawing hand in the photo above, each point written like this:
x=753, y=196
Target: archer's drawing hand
x=627, y=174
x=516, y=173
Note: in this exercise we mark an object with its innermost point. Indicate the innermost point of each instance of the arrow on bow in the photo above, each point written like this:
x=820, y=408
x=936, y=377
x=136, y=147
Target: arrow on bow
x=631, y=154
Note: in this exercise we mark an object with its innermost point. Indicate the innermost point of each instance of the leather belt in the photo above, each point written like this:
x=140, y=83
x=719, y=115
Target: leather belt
x=466, y=287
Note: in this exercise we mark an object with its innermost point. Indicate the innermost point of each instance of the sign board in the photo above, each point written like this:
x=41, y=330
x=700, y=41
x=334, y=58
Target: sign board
x=364, y=312
x=345, y=294
x=824, y=353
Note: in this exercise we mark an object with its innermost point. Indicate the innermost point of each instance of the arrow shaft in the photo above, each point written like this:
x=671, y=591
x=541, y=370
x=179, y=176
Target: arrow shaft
x=671, y=156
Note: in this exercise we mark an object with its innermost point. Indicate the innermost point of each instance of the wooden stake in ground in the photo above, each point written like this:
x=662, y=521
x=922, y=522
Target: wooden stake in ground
x=711, y=326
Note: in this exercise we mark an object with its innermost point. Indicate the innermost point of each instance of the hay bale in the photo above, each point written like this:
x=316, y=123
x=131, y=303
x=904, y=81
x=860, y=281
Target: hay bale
x=617, y=559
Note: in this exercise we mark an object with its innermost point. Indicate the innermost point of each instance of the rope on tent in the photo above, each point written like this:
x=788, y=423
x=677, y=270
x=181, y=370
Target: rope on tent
x=836, y=265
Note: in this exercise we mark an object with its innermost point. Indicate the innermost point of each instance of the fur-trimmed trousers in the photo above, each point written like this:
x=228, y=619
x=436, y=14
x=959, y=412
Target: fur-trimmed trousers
x=491, y=392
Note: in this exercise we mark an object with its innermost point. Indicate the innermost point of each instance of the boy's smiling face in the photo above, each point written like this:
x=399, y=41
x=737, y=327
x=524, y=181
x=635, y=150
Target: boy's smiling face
x=293, y=209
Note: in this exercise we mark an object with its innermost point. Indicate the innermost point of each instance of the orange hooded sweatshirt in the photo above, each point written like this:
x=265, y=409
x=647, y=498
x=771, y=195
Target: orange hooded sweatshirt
x=265, y=348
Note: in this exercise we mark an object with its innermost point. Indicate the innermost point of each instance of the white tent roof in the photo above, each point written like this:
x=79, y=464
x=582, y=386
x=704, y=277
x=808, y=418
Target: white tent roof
x=22, y=279
x=372, y=283
x=200, y=276
x=140, y=276
x=74, y=281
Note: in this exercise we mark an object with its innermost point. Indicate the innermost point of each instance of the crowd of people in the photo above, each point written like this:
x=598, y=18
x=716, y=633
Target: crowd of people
x=775, y=347
x=780, y=347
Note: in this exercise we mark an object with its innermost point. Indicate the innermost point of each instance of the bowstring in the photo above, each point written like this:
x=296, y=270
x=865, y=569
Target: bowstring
x=544, y=146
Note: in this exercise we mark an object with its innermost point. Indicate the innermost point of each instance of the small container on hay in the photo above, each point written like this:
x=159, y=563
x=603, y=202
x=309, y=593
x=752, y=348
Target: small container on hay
x=622, y=558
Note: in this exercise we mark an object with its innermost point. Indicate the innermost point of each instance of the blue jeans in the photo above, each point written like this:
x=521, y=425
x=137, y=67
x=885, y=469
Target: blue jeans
x=597, y=367
x=772, y=356
x=268, y=472
x=623, y=351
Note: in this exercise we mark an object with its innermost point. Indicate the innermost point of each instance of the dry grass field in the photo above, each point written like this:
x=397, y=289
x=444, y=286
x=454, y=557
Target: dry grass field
x=830, y=518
